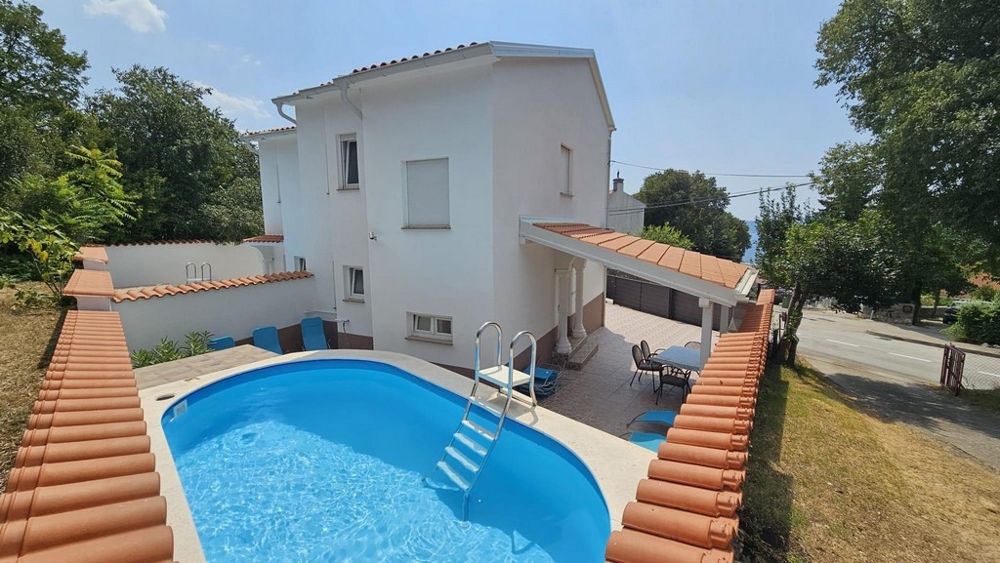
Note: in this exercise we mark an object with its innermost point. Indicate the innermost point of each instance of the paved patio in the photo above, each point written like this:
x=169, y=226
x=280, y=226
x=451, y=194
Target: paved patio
x=599, y=395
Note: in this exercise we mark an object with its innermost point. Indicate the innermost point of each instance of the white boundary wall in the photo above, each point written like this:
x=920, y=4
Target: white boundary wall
x=155, y=264
x=232, y=311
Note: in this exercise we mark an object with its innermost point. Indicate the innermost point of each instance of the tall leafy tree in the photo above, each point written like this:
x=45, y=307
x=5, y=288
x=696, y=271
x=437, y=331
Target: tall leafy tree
x=774, y=220
x=923, y=78
x=179, y=157
x=40, y=85
x=696, y=206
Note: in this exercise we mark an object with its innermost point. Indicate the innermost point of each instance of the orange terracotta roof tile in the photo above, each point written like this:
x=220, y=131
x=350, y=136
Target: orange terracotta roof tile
x=266, y=238
x=719, y=271
x=171, y=241
x=91, y=254
x=685, y=511
x=84, y=487
x=165, y=290
x=89, y=283
x=414, y=57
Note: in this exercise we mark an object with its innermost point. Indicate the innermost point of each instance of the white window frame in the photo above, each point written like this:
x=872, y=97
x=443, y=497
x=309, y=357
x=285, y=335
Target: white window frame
x=300, y=263
x=343, y=154
x=567, y=189
x=350, y=274
x=407, y=223
x=432, y=335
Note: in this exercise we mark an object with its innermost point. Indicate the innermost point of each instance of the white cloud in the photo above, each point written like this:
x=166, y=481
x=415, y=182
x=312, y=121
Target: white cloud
x=142, y=16
x=234, y=106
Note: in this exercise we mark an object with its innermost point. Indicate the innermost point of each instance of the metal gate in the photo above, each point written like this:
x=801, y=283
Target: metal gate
x=952, y=367
x=658, y=300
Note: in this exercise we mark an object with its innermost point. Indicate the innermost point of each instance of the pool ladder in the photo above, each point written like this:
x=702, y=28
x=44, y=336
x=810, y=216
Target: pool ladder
x=472, y=443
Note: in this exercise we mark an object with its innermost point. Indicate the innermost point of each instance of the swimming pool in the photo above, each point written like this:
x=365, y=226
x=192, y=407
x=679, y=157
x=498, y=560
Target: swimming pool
x=324, y=460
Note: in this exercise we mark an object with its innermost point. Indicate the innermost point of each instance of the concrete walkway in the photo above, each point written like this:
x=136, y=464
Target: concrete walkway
x=152, y=376
x=896, y=398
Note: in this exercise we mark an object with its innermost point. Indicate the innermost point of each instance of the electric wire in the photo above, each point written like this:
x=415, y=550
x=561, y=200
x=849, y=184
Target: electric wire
x=623, y=211
x=733, y=175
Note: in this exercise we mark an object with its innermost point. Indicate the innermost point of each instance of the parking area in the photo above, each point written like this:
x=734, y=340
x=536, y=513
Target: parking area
x=599, y=395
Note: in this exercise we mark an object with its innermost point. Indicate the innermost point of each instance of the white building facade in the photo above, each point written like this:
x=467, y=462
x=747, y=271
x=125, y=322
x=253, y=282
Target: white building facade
x=401, y=188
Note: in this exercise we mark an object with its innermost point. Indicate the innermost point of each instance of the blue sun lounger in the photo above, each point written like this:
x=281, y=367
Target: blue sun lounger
x=649, y=440
x=266, y=337
x=313, y=336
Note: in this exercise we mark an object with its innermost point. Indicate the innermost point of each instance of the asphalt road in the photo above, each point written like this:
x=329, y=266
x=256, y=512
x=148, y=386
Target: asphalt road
x=835, y=337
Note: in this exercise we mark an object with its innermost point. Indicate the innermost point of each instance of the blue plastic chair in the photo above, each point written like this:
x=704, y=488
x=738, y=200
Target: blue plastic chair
x=266, y=337
x=313, y=335
x=221, y=343
x=649, y=440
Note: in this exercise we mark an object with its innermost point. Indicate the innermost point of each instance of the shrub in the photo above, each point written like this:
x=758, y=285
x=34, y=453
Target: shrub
x=167, y=350
x=978, y=323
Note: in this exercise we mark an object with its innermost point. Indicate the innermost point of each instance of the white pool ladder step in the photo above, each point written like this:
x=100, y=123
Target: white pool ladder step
x=472, y=443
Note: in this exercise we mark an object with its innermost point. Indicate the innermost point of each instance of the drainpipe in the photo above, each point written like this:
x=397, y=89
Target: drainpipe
x=282, y=113
x=343, y=96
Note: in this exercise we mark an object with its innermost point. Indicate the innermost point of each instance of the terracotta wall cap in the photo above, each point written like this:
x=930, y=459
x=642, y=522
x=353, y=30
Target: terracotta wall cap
x=717, y=440
x=739, y=413
x=81, y=433
x=721, y=400
x=679, y=525
x=85, y=418
x=629, y=546
x=147, y=545
x=696, y=475
x=700, y=455
x=685, y=497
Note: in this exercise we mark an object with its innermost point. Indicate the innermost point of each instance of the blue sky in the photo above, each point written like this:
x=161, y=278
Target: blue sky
x=717, y=86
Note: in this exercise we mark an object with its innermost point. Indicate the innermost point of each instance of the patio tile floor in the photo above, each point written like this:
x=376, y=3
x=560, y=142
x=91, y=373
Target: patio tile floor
x=599, y=395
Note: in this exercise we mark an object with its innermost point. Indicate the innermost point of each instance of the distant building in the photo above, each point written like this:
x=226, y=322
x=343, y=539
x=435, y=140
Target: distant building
x=625, y=213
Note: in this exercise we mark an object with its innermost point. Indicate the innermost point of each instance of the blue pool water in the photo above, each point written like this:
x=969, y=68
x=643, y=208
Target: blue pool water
x=325, y=460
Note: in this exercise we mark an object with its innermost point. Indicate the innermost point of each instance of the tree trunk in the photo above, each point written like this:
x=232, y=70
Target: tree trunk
x=915, y=299
x=937, y=301
x=788, y=343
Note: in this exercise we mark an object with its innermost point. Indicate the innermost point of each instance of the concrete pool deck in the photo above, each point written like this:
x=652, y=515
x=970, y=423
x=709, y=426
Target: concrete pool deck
x=615, y=464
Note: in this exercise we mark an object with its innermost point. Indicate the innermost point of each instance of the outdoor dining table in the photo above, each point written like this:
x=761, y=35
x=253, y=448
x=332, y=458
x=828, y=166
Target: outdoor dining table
x=679, y=359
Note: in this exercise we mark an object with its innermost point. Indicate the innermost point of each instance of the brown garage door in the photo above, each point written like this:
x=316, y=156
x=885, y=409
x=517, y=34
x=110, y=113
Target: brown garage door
x=658, y=300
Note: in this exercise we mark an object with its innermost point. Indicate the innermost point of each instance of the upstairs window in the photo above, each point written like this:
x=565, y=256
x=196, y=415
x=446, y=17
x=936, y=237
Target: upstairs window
x=565, y=170
x=354, y=284
x=349, y=162
x=426, y=194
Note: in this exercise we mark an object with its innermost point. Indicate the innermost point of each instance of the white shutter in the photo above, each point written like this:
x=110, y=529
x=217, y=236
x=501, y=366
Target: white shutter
x=427, y=203
x=565, y=170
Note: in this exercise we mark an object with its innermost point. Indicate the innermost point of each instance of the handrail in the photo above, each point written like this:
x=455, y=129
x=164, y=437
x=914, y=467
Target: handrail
x=203, y=264
x=193, y=269
x=531, y=365
x=479, y=334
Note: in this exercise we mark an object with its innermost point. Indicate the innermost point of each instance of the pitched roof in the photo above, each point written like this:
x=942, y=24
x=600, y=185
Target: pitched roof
x=91, y=254
x=686, y=509
x=164, y=290
x=454, y=54
x=264, y=132
x=703, y=266
x=89, y=283
x=266, y=238
x=84, y=487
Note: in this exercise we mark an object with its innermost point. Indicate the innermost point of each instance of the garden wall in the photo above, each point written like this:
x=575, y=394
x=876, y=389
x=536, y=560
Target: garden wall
x=155, y=264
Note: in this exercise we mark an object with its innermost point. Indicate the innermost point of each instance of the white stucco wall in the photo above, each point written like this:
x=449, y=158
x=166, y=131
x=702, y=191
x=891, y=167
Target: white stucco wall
x=279, y=172
x=447, y=114
x=540, y=105
x=626, y=214
x=155, y=264
x=233, y=311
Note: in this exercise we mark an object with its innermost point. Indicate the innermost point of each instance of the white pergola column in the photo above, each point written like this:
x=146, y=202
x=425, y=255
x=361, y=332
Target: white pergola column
x=578, y=329
x=562, y=294
x=724, y=321
x=706, y=329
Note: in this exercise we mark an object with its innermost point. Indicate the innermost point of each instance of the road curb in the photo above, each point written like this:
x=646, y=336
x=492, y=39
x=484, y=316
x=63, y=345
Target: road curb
x=959, y=345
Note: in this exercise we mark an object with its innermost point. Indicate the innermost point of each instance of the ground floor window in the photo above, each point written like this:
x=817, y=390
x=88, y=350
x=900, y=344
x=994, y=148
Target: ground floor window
x=433, y=327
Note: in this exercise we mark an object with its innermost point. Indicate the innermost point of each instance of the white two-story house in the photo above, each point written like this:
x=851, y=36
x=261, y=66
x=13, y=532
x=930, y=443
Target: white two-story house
x=413, y=190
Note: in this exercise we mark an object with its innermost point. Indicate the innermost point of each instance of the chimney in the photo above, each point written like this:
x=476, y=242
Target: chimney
x=618, y=184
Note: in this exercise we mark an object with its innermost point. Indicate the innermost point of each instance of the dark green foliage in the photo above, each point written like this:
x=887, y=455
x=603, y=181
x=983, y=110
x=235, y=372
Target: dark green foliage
x=695, y=206
x=665, y=234
x=923, y=78
x=195, y=343
x=776, y=217
x=184, y=161
x=978, y=323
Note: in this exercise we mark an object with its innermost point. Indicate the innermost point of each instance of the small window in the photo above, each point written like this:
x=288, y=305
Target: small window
x=426, y=194
x=565, y=170
x=354, y=284
x=430, y=327
x=349, y=162
x=300, y=264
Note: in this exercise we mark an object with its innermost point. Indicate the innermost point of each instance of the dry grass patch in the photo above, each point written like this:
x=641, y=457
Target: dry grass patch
x=830, y=483
x=26, y=339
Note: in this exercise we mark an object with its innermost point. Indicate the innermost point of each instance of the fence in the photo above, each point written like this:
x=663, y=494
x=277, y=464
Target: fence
x=981, y=372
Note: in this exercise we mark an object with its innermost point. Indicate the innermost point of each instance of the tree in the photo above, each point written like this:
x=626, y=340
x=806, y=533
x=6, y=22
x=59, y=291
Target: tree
x=774, y=220
x=923, y=78
x=694, y=205
x=665, y=234
x=40, y=85
x=179, y=157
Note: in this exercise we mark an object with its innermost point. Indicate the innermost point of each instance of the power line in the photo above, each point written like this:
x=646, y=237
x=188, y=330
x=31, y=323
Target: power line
x=718, y=173
x=710, y=199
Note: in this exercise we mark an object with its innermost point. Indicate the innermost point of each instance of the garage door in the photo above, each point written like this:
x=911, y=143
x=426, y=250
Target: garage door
x=658, y=300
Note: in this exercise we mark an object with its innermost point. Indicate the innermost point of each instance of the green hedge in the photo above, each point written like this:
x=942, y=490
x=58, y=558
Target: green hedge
x=979, y=323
